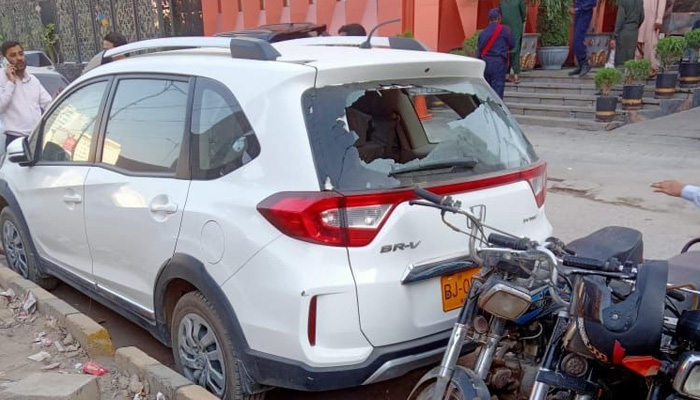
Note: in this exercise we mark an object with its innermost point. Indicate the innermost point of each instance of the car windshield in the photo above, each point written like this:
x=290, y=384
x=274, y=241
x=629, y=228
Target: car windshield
x=388, y=135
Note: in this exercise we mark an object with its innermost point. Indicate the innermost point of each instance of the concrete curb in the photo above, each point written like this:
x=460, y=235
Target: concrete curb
x=96, y=340
x=92, y=336
x=159, y=377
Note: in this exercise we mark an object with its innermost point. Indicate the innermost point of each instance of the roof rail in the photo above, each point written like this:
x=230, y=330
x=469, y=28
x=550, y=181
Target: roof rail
x=397, y=43
x=240, y=47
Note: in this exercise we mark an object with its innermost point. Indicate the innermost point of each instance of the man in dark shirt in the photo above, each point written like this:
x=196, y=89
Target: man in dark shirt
x=495, y=43
x=583, y=14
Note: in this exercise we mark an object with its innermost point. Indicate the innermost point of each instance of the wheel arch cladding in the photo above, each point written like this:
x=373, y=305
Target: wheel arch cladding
x=182, y=274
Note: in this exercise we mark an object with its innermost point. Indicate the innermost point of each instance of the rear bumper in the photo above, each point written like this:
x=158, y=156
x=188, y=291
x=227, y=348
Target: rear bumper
x=384, y=363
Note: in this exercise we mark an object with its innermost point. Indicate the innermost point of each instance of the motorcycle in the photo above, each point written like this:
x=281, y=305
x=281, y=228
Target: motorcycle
x=627, y=333
x=511, y=309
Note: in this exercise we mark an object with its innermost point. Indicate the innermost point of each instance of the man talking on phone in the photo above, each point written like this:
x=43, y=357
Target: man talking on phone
x=22, y=97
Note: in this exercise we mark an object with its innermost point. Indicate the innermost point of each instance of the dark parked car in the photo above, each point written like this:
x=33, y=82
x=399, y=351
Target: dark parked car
x=52, y=81
x=279, y=32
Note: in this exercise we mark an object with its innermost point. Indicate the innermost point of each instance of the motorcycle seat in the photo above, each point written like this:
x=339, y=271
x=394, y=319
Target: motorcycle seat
x=625, y=244
x=629, y=327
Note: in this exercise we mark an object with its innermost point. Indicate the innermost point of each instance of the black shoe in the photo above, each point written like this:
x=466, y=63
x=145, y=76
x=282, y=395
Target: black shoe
x=575, y=71
x=585, y=69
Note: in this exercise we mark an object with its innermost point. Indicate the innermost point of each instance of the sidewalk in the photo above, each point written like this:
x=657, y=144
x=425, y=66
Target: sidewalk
x=37, y=344
x=47, y=346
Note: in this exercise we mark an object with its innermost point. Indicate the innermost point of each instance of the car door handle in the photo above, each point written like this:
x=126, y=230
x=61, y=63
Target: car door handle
x=168, y=208
x=73, y=198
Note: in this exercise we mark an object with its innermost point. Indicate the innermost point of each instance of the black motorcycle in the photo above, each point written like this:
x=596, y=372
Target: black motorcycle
x=625, y=333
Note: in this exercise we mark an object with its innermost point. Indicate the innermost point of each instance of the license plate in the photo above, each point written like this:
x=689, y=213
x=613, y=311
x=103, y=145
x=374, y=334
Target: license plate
x=455, y=288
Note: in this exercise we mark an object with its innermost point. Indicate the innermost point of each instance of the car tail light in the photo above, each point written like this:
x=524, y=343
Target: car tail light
x=537, y=178
x=333, y=219
x=330, y=218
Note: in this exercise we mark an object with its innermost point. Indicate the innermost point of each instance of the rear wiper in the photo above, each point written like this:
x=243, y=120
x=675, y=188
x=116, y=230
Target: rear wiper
x=462, y=163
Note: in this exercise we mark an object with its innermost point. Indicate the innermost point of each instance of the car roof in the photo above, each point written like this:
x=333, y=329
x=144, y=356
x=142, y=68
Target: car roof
x=42, y=71
x=337, y=60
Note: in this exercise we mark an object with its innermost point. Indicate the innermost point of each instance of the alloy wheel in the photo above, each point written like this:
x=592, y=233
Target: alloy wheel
x=14, y=248
x=201, y=354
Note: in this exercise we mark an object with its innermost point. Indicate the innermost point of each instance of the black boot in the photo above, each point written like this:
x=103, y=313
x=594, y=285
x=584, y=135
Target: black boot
x=585, y=69
x=575, y=71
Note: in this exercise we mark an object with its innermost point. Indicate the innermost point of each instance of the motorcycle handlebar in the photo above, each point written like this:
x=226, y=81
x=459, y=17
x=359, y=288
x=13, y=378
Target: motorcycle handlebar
x=432, y=197
x=509, y=242
x=592, y=264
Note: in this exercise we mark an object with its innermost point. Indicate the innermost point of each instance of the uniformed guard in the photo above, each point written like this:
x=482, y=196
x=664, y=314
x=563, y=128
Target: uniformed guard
x=495, y=44
x=583, y=14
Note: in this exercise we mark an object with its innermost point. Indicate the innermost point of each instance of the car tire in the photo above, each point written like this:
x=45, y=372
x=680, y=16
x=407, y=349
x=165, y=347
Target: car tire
x=196, y=330
x=19, y=253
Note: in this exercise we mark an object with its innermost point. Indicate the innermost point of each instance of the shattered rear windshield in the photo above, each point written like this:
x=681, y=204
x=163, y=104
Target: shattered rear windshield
x=388, y=135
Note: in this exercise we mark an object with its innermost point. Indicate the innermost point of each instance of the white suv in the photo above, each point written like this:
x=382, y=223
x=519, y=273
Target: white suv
x=248, y=203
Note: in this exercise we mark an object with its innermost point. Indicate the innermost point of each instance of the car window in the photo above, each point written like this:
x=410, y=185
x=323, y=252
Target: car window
x=223, y=139
x=398, y=134
x=68, y=130
x=37, y=60
x=146, y=125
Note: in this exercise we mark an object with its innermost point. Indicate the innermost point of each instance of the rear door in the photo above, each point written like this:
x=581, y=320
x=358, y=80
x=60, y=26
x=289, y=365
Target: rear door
x=136, y=193
x=451, y=136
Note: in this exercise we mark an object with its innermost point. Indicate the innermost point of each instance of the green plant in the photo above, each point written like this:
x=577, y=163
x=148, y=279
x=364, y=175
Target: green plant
x=669, y=50
x=470, y=44
x=553, y=22
x=692, y=41
x=606, y=78
x=637, y=71
x=49, y=38
x=406, y=34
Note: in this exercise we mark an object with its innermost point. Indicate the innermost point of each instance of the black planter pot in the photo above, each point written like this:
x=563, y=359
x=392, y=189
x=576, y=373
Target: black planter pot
x=666, y=85
x=632, y=97
x=690, y=74
x=605, y=109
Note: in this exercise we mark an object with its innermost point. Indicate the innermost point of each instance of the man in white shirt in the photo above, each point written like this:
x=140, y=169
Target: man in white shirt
x=22, y=97
x=678, y=189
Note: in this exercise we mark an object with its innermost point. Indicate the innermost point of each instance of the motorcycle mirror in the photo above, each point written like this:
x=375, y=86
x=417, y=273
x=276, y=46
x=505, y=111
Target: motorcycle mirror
x=687, y=380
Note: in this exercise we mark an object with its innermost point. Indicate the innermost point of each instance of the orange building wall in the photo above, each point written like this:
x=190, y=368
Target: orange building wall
x=440, y=24
x=226, y=15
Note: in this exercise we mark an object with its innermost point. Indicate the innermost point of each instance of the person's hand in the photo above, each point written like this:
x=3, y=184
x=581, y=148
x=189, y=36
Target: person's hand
x=58, y=91
x=572, y=11
x=670, y=187
x=11, y=73
x=612, y=44
x=657, y=26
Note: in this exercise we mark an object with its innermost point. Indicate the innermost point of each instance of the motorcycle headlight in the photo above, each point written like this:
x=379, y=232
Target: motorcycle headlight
x=505, y=301
x=687, y=380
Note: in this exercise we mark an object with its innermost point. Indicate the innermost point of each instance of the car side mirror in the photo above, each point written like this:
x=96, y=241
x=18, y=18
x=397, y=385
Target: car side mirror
x=18, y=151
x=687, y=380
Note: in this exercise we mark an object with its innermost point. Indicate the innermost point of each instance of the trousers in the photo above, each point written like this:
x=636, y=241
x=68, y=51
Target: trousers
x=582, y=20
x=495, y=73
